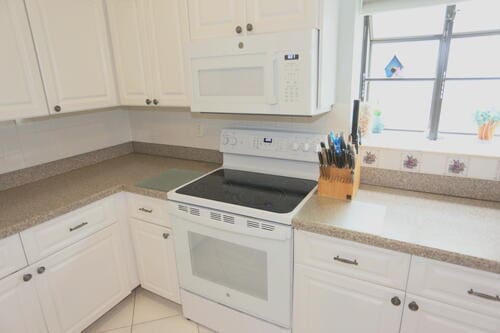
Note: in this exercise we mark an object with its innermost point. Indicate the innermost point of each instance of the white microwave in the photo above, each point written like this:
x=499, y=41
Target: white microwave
x=277, y=74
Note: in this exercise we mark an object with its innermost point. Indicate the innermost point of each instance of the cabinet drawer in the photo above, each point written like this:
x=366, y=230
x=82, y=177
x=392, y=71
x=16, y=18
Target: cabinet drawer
x=54, y=235
x=11, y=255
x=380, y=266
x=456, y=285
x=149, y=209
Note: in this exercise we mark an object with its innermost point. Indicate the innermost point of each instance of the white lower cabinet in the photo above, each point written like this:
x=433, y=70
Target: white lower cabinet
x=328, y=303
x=80, y=283
x=425, y=316
x=154, y=249
x=20, y=311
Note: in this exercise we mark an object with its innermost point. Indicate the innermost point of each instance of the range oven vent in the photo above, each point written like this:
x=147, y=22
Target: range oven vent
x=268, y=227
x=216, y=216
x=182, y=208
x=194, y=211
x=228, y=219
x=253, y=224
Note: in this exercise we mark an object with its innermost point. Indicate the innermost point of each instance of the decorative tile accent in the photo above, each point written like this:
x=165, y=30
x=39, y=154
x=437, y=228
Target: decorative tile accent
x=370, y=158
x=457, y=166
x=411, y=161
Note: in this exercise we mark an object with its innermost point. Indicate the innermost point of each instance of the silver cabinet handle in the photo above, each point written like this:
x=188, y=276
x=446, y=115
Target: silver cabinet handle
x=148, y=101
x=145, y=210
x=249, y=27
x=346, y=261
x=78, y=226
x=166, y=235
x=40, y=270
x=57, y=108
x=156, y=102
x=27, y=277
x=482, y=295
x=238, y=29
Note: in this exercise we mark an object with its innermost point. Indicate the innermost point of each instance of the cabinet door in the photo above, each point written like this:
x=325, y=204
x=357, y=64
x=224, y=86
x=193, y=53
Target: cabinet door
x=215, y=18
x=154, y=250
x=425, y=316
x=167, y=34
x=73, y=48
x=20, y=311
x=21, y=89
x=80, y=283
x=281, y=15
x=129, y=38
x=326, y=302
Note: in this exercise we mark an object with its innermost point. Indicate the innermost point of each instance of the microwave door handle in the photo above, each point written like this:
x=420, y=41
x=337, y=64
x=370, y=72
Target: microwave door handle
x=272, y=79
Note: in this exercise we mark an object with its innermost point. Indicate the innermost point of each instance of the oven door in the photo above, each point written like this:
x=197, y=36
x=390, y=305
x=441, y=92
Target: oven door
x=246, y=268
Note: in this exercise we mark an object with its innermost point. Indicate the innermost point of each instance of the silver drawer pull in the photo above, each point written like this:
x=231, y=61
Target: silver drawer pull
x=346, y=261
x=78, y=226
x=485, y=296
x=145, y=210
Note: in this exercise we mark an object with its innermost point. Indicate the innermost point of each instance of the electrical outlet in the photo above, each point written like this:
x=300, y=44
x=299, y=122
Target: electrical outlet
x=199, y=130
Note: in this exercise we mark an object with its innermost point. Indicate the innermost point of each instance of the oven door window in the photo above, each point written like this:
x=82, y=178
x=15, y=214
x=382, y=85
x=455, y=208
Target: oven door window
x=231, y=265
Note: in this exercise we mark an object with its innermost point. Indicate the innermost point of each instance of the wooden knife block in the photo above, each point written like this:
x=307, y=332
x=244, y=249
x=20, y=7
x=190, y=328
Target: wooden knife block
x=340, y=183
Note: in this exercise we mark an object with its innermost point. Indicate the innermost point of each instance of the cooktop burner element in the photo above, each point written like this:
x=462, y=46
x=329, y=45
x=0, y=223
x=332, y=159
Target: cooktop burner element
x=267, y=192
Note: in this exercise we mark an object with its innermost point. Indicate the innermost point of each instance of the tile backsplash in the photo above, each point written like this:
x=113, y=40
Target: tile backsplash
x=487, y=168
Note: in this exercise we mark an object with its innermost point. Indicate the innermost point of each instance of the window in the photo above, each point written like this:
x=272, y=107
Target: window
x=430, y=69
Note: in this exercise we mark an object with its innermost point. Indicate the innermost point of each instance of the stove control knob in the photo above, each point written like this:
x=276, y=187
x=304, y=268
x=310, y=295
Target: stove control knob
x=232, y=141
x=306, y=147
x=295, y=146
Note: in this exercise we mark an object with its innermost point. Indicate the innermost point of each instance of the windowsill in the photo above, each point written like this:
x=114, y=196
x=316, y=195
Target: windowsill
x=453, y=144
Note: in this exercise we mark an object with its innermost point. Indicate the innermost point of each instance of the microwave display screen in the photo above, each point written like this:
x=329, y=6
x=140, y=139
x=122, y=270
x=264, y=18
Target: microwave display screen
x=291, y=57
x=268, y=140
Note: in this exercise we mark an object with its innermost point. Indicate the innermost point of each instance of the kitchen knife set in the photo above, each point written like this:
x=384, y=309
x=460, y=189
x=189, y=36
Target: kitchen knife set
x=340, y=169
x=338, y=153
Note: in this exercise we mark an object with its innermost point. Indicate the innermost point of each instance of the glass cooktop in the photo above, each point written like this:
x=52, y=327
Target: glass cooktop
x=271, y=193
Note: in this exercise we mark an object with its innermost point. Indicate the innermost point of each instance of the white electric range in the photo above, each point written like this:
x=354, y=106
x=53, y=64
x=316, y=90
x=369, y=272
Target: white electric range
x=232, y=230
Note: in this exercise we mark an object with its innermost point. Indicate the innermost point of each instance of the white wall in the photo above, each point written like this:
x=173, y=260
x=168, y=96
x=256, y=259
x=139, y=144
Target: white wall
x=178, y=126
x=37, y=141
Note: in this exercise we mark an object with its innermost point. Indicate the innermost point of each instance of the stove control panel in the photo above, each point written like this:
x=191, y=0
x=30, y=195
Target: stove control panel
x=275, y=144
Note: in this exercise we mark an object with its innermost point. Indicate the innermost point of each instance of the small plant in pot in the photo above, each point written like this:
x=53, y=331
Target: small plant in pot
x=486, y=120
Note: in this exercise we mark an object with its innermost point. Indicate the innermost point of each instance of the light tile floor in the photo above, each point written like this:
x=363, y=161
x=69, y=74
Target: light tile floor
x=144, y=312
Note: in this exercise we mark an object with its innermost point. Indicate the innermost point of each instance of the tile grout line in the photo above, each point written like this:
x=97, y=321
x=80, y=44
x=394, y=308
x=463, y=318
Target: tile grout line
x=133, y=312
x=152, y=321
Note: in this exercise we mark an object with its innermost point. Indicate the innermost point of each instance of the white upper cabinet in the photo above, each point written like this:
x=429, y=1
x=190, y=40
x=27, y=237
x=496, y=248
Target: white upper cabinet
x=279, y=15
x=148, y=38
x=127, y=26
x=223, y=18
x=71, y=39
x=216, y=18
x=21, y=88
x=167, y=34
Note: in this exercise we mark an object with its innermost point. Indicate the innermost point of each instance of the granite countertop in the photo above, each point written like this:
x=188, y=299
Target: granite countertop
x=460, y=231
x=455, y=230
x=25, y=206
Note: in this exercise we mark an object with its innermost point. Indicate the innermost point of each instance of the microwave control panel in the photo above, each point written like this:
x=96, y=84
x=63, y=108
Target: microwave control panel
x=291, y=77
